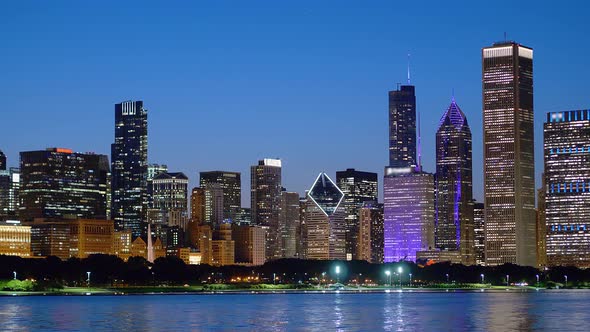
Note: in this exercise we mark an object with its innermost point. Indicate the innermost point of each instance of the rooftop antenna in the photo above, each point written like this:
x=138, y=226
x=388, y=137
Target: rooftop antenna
x=453, y=95
x=408, y=68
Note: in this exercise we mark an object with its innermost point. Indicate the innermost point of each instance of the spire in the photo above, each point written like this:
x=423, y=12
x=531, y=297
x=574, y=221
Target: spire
x=150, y=246
x=408, y=68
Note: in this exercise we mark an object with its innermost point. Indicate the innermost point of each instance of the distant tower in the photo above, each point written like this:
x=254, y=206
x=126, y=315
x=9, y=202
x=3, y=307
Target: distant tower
x=130, y=167
x=2, y=161
x=150, y=247
x=402, y=127
x=454, y=193
x=266, y=203
x=231, y=187
x=509, y=169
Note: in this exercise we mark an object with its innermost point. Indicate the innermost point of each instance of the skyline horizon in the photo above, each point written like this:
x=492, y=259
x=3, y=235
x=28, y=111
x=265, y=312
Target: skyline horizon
x=226, y=86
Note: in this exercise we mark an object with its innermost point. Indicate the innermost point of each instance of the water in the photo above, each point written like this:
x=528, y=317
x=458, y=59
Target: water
x=408, y=311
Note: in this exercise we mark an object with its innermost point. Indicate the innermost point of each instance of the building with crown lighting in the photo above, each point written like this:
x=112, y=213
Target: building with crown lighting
x=325, y=221
x=453, y=181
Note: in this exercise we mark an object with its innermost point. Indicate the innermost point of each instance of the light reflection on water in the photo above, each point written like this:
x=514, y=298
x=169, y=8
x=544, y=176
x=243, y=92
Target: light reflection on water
x=554, y=310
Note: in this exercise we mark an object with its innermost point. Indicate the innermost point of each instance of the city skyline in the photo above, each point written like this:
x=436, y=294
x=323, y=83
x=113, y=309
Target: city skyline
x=374, y=72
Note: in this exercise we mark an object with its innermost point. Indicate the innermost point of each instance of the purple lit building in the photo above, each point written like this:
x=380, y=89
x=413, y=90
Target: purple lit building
x=454, y=193
x=408, y=199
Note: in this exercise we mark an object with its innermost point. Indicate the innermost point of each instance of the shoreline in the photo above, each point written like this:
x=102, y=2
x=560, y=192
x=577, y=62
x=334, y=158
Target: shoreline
x=177, y=291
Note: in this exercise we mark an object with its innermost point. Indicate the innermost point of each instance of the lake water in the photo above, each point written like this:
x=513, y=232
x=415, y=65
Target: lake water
x=407, y=311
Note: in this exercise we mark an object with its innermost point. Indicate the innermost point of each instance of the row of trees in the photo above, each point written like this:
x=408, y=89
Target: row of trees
x=108, y=270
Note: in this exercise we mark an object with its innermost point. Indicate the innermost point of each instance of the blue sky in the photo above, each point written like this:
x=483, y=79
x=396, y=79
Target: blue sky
x=230, y=82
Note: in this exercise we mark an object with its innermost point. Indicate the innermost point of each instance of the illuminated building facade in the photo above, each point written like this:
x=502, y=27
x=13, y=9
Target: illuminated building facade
x=152, y=171
x=479, y=233
x=169, y=199
x=231, y=186
x=541, y=225
x=198, y=205
x=370, y=243
x=453, y=181
x=408, y=204
x=15, y=239
x=265, y=201
x=509, y=170
x=358, y=187
x=57, y=183
x=567, y=188
x=325, y=221
x=129, y=154
x=289, y=220
x=9, y=193
x=402, y=126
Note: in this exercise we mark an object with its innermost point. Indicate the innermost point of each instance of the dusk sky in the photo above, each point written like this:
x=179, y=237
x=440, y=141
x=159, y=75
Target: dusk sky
x=229, y=82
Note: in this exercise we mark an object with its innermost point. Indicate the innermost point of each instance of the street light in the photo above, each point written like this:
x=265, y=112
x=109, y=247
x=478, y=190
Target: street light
x=388, y=273
x=88, y=280
x=537, y=279
x=482, y=278
x=338, y=273
x=410, y=280
x=507, y=280
x=14, y=274
x=447, y=278
x=565, y=281
x=400, y=270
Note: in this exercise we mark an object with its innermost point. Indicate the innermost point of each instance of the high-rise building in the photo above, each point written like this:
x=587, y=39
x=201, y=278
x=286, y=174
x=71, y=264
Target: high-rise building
x=567, y=188
x=358, y=187
x=288, y=222
x=231, y=186
x=301, y=242
x=509, y=169
x=325, y=221
x=408, y=200
x=57, y=183
x=402, y=126
x=169, y=199
x=153, y=170
x=370, y=244
x=129, y=155
x=198, y=205
x=249, y=244
x=541, y=229
x=479, y=233
x=265, y=200
x=454, y=192
x=2, y=161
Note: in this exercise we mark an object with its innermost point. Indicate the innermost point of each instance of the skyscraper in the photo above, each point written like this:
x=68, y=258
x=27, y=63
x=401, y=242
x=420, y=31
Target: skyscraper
x=479, y=231
x=408, y=193
x=402, y=126
x=567, y=188
x=325, y=220
x=265, y=201
x=358, y=187
x=57, y=183
x=129, y=167
x=509, y=170
x=408, y=200
x=2, y=161
x=454, y=192
x=289, y=220
x=231, y=186
x=170, y=199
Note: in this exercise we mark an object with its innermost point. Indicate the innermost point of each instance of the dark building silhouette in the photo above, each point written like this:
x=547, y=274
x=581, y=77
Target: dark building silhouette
x=402, y=127
x=130, y=167
x=231, y=186
x=57, y=183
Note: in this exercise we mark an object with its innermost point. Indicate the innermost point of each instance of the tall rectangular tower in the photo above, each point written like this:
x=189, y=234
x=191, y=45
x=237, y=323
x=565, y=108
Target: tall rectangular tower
x=231, y=185
x=265, y=201
x=567, y=188
x=509, y=170
x=129, y=167
x=402, y=127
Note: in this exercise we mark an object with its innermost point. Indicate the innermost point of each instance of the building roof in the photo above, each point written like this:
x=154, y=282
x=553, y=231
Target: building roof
x=453, y=116
x=175, y=175
x=326, y=194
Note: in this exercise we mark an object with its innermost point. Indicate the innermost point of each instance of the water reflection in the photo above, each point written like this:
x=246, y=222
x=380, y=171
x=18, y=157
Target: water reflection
x=407, y=311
